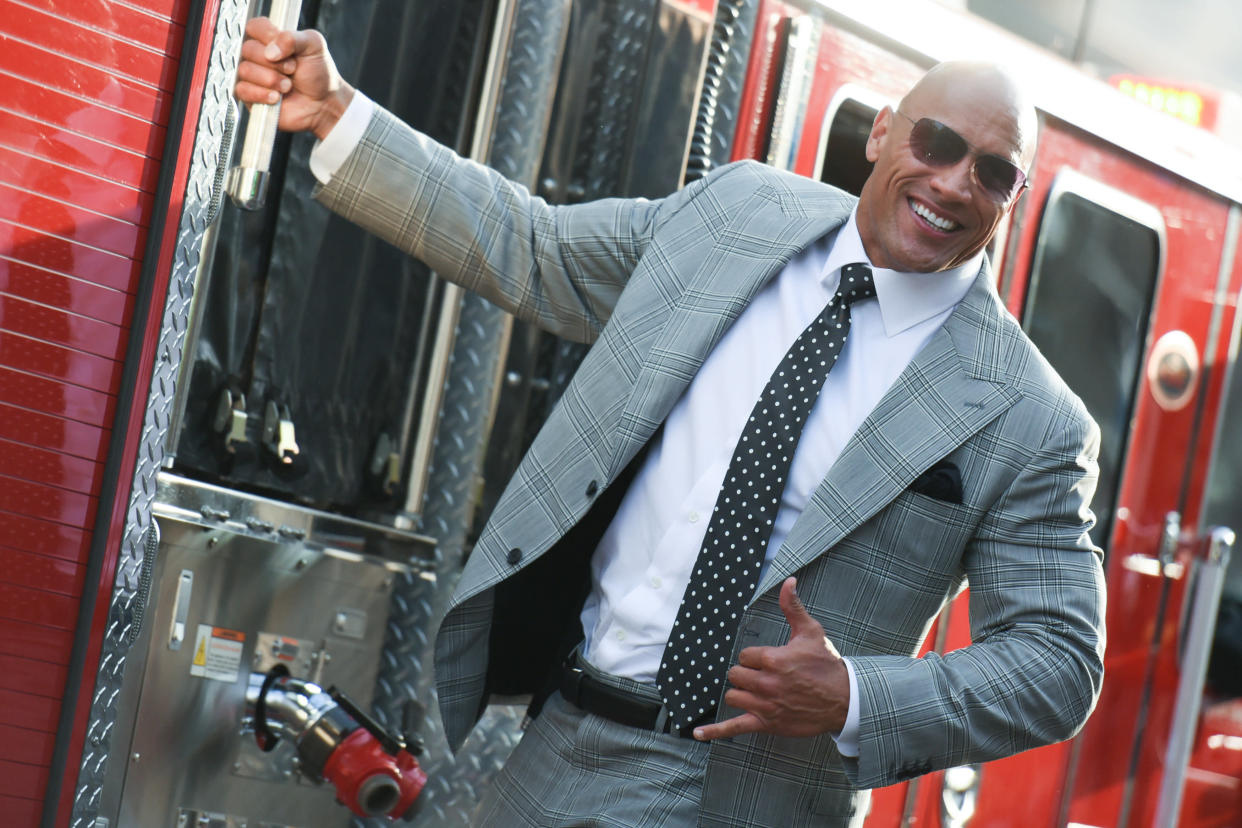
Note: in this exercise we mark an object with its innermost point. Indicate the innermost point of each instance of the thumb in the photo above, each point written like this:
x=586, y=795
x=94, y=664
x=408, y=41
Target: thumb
x=800, y=621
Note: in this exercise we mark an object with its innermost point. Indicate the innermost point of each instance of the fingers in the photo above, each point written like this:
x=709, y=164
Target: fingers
x=254, y=51
x=249, y=93
x=756, y=659
x=264, y=76
x=261, y=29
x=277, y=43
x=269, y=46
x=745, y=723
x=284, y=45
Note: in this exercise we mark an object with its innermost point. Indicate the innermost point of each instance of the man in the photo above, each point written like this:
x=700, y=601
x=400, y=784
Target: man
x=941, y=447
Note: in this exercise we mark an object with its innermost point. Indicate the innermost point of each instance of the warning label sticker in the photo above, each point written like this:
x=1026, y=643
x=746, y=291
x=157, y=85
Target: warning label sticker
x=217, y=653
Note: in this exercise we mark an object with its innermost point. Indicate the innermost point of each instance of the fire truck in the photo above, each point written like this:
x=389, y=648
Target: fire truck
x=244, y=447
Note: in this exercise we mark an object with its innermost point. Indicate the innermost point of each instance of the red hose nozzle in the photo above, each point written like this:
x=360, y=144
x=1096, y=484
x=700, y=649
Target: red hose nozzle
x=371, y=782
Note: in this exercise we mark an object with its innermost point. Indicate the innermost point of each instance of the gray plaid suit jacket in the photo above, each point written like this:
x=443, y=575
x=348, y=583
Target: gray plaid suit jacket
x=654, y=284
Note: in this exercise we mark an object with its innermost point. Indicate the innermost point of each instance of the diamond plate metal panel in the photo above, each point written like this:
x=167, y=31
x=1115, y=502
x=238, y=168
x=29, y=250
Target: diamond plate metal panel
x=454, y=782
x=712, y=141
x=617, y=78
x=103, y=744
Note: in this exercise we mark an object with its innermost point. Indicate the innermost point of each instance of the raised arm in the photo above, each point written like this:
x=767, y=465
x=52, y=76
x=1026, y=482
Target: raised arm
x=562, y=268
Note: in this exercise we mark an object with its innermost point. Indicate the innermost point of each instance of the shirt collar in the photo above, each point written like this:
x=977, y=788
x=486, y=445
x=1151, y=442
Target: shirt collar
x=905, y=299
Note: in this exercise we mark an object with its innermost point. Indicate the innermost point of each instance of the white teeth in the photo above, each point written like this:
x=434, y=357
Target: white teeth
x=932, y=218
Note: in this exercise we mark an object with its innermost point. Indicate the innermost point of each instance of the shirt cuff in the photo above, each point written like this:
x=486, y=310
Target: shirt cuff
x=328, y=155
x=847, y=739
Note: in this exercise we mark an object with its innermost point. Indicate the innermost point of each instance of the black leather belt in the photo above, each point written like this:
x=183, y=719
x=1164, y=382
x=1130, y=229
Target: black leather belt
x=594, y=696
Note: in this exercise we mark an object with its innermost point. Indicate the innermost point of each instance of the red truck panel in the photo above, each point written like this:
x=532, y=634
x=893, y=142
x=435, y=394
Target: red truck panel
x=85, y=98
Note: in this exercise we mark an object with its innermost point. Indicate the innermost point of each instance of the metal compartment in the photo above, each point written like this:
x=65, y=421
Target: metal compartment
x=241, y=584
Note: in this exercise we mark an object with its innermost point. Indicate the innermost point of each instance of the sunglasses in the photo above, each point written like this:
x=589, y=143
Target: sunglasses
x=936, y=145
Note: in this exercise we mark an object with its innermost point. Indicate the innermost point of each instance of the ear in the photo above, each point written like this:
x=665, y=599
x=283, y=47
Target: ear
x=879, y=132
x=1016, y=199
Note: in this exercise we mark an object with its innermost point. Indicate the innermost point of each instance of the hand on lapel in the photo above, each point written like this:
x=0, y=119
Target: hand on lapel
x=942, y=481
x=799, y=689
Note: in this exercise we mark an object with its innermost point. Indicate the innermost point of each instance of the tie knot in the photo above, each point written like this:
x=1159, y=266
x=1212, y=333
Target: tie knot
x=857, y=283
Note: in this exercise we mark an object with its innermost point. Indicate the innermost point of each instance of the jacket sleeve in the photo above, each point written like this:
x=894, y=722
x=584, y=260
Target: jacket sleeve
x=560, y=268
x=1033, y=673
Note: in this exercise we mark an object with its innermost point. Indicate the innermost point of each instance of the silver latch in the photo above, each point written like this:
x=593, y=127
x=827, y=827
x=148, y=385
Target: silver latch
x=230, y=419
x=181, y=609
x=1169, y=538
x=385, y=466
x=278, y=434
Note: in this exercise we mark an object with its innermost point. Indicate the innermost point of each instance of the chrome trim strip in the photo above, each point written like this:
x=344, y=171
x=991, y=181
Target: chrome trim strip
x=1228, y=257
x=450, y=306
x=1209, y=583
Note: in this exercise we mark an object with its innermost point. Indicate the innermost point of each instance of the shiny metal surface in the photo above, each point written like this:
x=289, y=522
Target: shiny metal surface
x=247, y=186
x=292, y=706
x=801, y=51
x=450, y=307
x=1201, y=623
x=275, y=596
x=711, y=143
x=667, y=101
x=210, y=506
x=247, y=182
x=193, y=818
x=465, y=423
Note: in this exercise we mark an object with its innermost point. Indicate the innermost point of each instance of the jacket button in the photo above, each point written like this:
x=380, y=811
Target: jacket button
x=592, y=488
x=514, y=556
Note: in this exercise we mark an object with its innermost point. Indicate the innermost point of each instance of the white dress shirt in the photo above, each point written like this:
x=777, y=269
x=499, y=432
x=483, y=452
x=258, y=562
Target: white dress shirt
x=643, y=562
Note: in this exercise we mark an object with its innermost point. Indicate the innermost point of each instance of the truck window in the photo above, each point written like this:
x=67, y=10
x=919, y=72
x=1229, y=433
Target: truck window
x=843, y=159
x=1089, y=299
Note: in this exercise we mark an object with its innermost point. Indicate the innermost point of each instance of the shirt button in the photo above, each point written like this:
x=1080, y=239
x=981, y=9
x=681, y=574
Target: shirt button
x=620, y=635
x=656, y=583
x=693, y=517
x=514, y=556
x=592, y=488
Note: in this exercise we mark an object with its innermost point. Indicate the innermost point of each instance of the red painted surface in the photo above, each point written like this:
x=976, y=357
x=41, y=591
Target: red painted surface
x=85, y=97
x=845, y=58
x=144, y=360
x=705, y=7
x=754, y=120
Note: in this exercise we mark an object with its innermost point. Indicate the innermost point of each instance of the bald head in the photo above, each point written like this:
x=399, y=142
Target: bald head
x=998, y=95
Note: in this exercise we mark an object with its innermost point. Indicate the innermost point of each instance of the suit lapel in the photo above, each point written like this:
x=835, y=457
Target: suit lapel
x=947, y=393
x=760, y=239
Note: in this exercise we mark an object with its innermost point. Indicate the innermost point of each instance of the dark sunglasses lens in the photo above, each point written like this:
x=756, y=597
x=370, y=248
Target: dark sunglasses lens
x=998, y=177
x=936, y=144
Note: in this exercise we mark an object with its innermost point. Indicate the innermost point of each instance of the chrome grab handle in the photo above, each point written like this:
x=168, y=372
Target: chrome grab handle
x=1201, y=625
x=247, y=182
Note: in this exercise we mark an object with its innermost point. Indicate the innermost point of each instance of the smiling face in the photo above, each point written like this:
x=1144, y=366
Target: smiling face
x=919, y=218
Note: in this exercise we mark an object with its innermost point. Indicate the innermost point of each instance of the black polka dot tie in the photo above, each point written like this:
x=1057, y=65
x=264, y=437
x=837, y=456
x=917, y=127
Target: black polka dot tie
x=726, y=572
